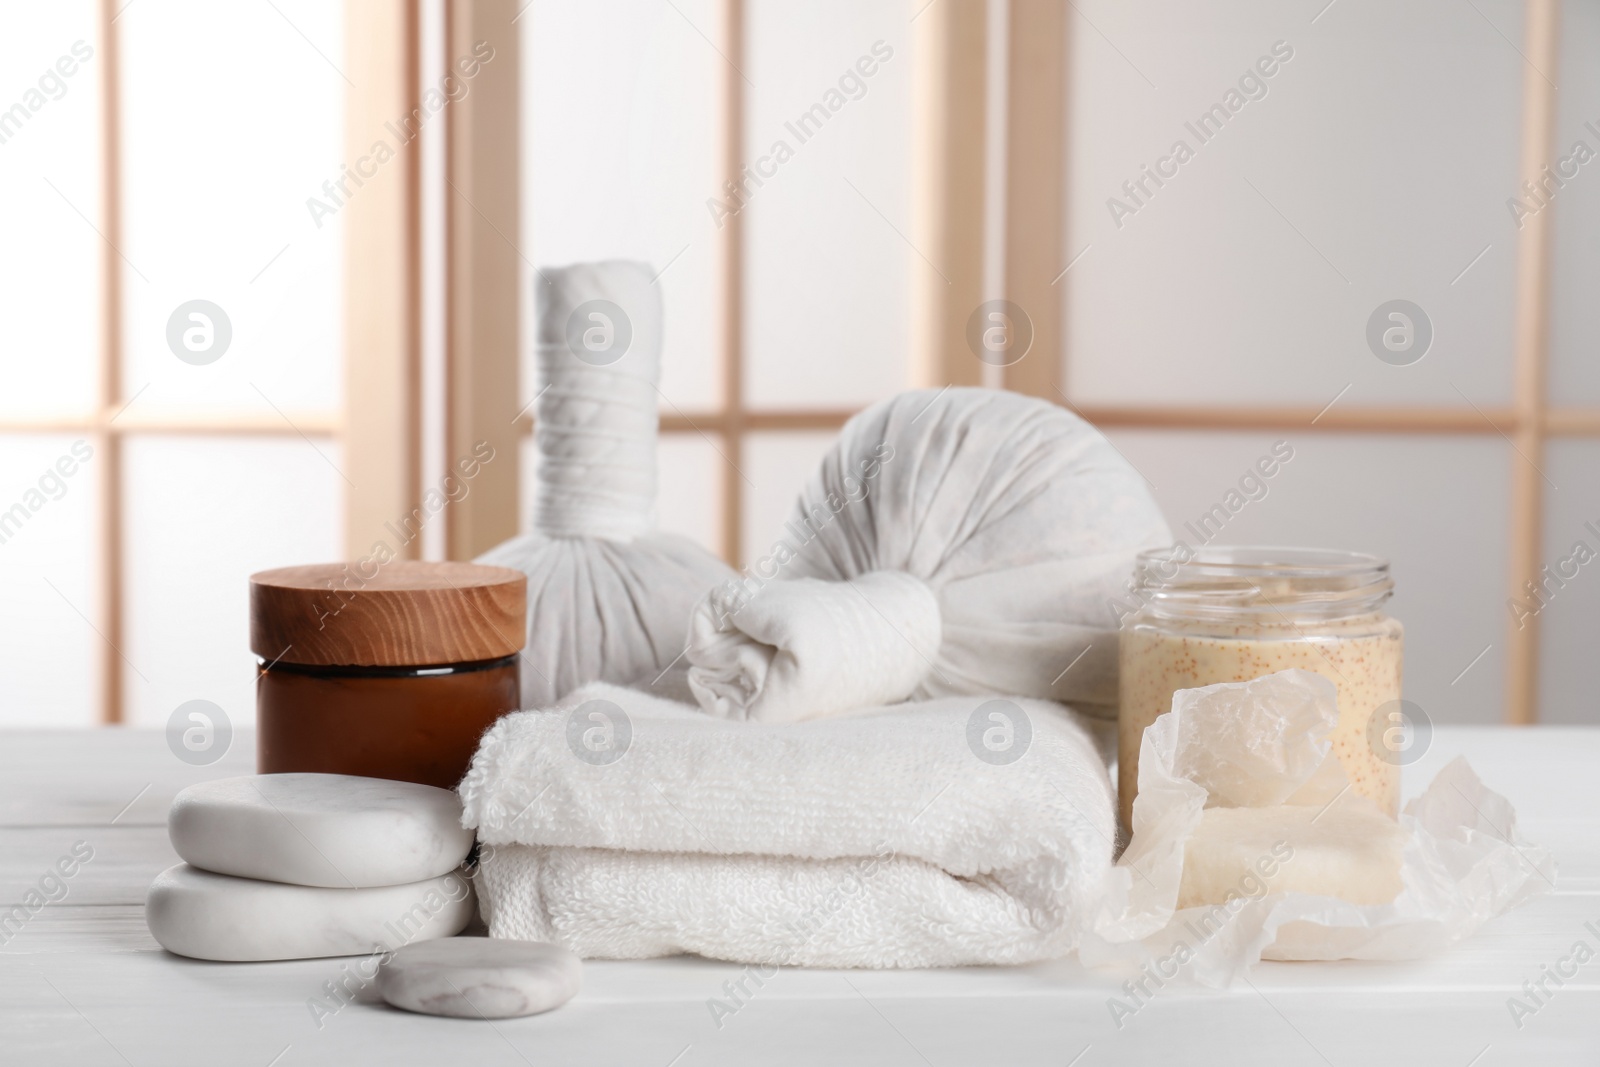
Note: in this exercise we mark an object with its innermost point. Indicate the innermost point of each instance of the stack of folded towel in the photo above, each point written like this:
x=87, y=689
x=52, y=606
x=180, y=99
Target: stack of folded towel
x=964, y=830
x=956, y=546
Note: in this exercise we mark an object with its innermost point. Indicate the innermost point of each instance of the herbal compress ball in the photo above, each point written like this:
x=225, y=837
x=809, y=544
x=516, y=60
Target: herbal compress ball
x=1020, y=517
x=608, y=595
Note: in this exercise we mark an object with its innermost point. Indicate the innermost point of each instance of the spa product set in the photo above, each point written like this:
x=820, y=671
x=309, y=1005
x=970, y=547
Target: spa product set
x=885, y=744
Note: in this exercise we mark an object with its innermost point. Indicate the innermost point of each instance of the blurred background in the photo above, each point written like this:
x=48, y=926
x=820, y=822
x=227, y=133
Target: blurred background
x=267, y=272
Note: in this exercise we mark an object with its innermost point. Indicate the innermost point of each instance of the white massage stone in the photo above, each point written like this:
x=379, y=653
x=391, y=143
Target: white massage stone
x=480, y=977
x=333, y=830
x=218, y=917
x=1349, y=852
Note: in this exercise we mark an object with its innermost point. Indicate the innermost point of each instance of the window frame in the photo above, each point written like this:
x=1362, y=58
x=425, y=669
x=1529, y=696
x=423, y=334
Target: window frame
x=380, y=428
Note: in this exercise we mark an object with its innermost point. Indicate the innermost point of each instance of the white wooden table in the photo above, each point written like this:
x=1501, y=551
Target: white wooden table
x=83, y=982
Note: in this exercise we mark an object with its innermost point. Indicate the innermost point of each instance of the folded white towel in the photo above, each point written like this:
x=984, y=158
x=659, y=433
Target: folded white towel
x=808, y=649
x=965, y=830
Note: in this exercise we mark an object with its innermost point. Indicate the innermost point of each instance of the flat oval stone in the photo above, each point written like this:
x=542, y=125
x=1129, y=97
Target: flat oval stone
x=480, y=977
x=332, y=830
x=218, y=917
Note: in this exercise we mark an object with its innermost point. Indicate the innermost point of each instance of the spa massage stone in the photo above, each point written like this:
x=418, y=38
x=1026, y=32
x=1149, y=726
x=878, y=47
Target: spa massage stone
x=330, y=830
x=212, y=916
x=480, y=977
x=293, y=866
x=384, y=671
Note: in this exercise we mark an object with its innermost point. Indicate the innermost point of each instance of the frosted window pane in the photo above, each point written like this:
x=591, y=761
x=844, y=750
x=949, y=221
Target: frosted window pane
x=49, y=671
x=1447, y=545
x=622, y=120
x=1575, y=251
x=777, y=466
x=1376, y=167
x=1569, y=676
x=203, y=513
x=232, y=121
x=50, y=182
x=689, y=502
x=828, y=277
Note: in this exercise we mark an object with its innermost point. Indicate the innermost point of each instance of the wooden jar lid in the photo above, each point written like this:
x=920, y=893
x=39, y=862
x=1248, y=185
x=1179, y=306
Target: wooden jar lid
x=407, y=614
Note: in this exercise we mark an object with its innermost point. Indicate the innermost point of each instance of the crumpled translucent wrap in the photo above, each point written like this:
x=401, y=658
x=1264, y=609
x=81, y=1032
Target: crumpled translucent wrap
x=1265, y=742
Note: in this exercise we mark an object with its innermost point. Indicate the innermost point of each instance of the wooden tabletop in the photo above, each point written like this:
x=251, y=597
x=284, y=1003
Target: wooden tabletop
x=83, y=983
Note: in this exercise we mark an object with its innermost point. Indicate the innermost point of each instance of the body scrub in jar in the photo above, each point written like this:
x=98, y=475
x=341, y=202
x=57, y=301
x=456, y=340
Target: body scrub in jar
x=1234, y=614
x=396, y=675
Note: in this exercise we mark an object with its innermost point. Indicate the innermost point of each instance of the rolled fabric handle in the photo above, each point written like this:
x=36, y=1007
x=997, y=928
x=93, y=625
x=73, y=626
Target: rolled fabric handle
x=599, y=358
x=609, y=595
x=811, y=649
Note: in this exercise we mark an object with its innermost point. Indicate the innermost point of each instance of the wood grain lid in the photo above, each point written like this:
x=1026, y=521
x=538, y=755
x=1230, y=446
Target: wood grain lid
x=404, y=614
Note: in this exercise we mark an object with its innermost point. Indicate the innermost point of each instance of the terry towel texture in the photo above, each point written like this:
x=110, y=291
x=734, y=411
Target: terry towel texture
x=899, y=837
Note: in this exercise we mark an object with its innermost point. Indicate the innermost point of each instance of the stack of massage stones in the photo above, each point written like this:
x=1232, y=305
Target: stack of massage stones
x=302, y=865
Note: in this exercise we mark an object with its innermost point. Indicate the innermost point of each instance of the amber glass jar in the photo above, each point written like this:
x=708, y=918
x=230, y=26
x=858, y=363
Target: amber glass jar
x=396, y=675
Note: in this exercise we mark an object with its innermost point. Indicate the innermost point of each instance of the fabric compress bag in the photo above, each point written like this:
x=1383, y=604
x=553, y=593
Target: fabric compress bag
x=1019, y=523
x=609, y=596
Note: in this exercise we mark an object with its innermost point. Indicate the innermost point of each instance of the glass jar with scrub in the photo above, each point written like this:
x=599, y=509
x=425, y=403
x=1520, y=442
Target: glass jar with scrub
x=1221, y=614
